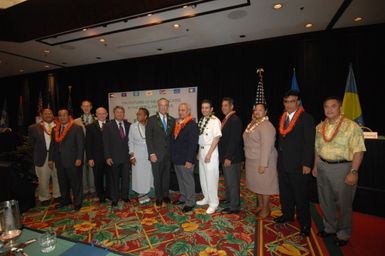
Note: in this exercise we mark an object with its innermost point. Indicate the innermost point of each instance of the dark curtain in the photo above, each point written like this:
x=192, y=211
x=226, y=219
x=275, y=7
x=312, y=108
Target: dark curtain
x=321, y=60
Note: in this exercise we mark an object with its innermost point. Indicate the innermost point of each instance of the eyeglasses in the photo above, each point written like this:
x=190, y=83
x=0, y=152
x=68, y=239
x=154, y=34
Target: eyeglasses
x=289, y=101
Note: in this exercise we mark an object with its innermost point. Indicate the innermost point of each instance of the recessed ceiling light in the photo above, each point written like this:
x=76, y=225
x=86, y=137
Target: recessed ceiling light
x=308, y=25
x=47, y=66
x=149, y=15
x=176, y=25
x=277, y=6
x=185, y=6
x=102, y=40
x=357, y=18
x=47, y=52
x=84, y=29
x=21, y=70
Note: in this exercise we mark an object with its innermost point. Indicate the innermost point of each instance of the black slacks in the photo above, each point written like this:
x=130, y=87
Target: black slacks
x=161, y=173
x=120, y=178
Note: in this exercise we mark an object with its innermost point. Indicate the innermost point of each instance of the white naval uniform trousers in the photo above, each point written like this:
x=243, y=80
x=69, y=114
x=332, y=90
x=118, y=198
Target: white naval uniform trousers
x=209, y=172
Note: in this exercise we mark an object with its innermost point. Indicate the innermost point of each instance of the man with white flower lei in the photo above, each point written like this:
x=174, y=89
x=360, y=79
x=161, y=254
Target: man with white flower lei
x=209, y=135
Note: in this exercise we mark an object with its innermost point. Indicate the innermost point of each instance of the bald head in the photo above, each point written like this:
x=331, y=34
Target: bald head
x=184, y=110
x=101, y=114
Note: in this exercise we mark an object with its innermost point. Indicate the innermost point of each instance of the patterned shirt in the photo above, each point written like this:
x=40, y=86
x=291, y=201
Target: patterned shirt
x=348, y=140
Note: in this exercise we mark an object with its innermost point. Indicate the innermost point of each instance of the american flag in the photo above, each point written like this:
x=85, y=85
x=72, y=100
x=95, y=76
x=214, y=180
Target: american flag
x=260, y=95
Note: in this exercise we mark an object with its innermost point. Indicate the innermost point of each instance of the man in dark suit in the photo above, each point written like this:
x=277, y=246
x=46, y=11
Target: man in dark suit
x=158, y=136
x=95, y=153
x=231, y=155
x=295, y=160
x=184, y=144
x=116, y=153
x=67, y=151
x=40, y=139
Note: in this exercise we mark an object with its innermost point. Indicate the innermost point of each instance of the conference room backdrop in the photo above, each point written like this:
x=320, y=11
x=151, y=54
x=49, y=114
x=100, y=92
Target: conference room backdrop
x=321, y=60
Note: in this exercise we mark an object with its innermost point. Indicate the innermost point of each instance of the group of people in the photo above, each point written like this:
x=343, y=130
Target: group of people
x=91, y=153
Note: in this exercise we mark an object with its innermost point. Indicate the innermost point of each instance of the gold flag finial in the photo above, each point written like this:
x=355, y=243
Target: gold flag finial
x=260, y=72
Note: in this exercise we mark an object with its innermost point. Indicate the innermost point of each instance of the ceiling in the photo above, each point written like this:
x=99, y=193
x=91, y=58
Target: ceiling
x=205, y=24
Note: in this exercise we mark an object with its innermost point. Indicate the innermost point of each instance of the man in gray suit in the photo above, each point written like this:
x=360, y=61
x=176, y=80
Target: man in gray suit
x=115, y=140
x=40, y=139
x=158, y=137
x=66, y=151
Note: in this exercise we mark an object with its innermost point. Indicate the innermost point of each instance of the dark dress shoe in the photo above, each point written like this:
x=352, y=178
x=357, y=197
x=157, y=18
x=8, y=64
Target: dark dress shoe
x=77, y=207
x=282, y=220
x=166, y=200
x=114, y=204
x=126, y=200
x=178, y=202
x=229, y=211
x=305, y=232
x=61, y=205
x=187, y=208
x=340, y=242
x=57, y=199
x=45, y=203
x=102, y=200
x=324, y=234
x=224, y=201
x=158, y=203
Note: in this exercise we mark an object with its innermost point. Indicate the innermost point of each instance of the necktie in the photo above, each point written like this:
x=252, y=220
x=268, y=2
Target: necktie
x=61, y=129
x=287, y=121
x=102, y=127
x=164, y=123
x=121, y=131
x=49, y=128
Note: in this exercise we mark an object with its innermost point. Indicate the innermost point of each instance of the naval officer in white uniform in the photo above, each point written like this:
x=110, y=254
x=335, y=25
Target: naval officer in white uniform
x=209, y=135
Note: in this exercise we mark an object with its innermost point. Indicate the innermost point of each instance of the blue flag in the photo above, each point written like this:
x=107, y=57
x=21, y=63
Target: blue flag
x=294, y=84
x=351, y=106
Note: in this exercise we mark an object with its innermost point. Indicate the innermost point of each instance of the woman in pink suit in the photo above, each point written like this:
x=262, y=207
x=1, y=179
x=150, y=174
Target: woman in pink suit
x=261, y=159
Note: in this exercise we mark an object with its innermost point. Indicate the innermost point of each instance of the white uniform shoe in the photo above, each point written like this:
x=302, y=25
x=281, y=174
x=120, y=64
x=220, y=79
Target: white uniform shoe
x=202, y=202
x=211, y=210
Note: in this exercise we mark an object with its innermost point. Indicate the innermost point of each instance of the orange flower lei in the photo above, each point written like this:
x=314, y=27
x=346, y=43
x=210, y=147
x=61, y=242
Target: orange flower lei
x=227, y=117
x=179, y=126
x=283, y=131
x=323, y=130
x=60, y=138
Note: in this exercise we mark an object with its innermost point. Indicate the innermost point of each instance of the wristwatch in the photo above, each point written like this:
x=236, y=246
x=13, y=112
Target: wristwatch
x=354, y=171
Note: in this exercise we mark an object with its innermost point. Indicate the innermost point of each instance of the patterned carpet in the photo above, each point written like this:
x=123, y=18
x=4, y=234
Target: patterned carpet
x=134, y=229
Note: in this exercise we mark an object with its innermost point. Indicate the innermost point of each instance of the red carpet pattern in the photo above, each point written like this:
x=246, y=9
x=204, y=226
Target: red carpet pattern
x=135, y=229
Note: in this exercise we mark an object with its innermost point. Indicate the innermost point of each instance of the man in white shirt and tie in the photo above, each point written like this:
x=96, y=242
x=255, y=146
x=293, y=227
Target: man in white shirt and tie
x=40, y=138
x=95, y=154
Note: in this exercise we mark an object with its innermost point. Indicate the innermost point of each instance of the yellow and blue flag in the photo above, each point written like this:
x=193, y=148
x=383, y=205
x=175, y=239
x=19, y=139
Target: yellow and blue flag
x=351, y=106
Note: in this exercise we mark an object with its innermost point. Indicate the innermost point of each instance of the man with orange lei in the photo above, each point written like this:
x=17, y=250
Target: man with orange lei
x=339, y=149
x=184, y=144
x=66, y=151
x=295, y=160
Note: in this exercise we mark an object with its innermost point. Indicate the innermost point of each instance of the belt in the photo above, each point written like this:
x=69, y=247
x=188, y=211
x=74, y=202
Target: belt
x=335, y=161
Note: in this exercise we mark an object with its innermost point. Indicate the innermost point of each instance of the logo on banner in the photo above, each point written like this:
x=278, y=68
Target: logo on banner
x=148, y=93
x=162, y=91
x=124, y=94
x=135, y=93
x=112, y=95
x=177, y=91
x=191, y=90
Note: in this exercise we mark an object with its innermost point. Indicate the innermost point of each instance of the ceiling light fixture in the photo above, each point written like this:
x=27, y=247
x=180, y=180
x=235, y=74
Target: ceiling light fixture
x=21, y=70
x=149, y=15
x=358, y=19
x=84, y=29
x=308, y=25
x=102, y=40
x=176, y=26
x=46, y=52
x=47, y=66
x=185, y=6
x=277, y=6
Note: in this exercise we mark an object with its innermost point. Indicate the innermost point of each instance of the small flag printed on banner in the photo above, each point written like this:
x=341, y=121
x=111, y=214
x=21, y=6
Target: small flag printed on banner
x=148, y=93
x=112, y=95
x=191, y=90
x=176, y=91
x=135, y=93
x=163, y=91
x=124, y=94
